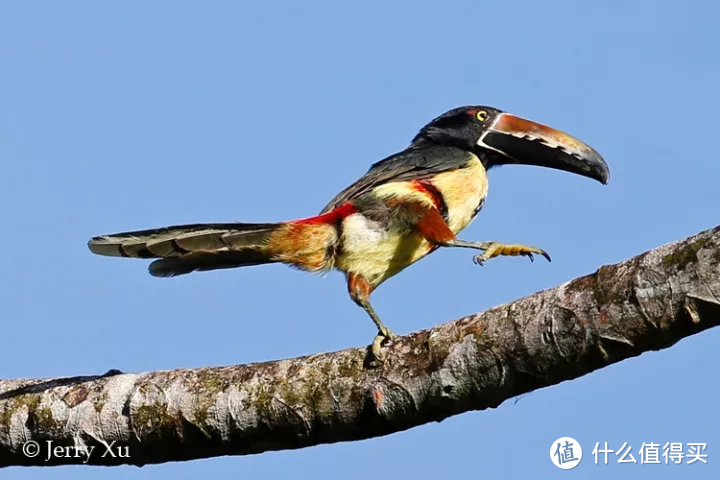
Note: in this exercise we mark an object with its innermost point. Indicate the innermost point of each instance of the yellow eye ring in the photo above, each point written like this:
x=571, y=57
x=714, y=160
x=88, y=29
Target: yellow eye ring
x=481, y=115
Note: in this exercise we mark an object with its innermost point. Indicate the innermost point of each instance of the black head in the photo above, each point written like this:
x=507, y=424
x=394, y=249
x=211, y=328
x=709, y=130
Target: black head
x=499, y=138
x=460, y=127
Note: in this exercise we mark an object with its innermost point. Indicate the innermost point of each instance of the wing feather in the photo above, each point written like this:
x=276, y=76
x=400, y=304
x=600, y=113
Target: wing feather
x=417, y=162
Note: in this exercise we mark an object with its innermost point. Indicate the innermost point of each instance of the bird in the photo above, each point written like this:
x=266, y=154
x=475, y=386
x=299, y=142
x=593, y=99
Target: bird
x=405, y=207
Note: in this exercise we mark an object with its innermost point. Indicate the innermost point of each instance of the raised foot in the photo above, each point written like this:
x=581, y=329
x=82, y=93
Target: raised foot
x=498, y=249
x=377, y=356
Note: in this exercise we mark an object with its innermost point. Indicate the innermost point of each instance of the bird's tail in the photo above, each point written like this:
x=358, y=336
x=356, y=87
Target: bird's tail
x=182, y=249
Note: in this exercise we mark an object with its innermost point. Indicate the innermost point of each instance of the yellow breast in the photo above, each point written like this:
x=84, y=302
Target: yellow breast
x=376, y=253
x=464, y=190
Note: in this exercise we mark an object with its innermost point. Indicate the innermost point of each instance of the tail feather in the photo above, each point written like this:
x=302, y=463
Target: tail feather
x=186, y=248
x=203, y=261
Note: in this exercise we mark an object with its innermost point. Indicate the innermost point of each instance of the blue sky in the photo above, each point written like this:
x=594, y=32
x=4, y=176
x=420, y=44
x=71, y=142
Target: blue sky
x=139, y=115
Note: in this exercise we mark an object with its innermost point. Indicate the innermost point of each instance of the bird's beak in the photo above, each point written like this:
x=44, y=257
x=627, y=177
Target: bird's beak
x=528, y=143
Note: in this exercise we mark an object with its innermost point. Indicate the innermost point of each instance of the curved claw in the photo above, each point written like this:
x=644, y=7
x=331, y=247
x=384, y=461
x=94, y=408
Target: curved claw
x=479, y=260
x=537, y=251
x=387, y=333
x=377, y=356
x=545, y=254
x=494, y=250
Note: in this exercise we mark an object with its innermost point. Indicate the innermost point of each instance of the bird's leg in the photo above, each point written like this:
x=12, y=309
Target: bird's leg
x=360, y=290
x=495, y=249
x=434, y=229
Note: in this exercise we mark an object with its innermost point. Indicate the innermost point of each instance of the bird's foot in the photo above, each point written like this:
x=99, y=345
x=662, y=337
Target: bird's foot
x=377, y=356
x=495, y=249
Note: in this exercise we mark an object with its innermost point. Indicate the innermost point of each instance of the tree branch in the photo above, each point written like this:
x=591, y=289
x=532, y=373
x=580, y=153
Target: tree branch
x=646, y=303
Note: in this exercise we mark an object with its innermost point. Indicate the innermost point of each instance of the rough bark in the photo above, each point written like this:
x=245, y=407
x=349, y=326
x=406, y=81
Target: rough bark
x=646, y=303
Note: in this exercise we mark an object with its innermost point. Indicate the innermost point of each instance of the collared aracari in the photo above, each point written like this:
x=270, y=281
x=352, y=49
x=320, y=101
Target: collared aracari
x=405, y=207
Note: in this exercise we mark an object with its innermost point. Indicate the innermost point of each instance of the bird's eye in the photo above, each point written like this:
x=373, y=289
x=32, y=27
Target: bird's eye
x=481, y=115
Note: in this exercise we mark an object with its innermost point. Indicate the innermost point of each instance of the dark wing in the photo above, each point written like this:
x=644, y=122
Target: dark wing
x=415, y=163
